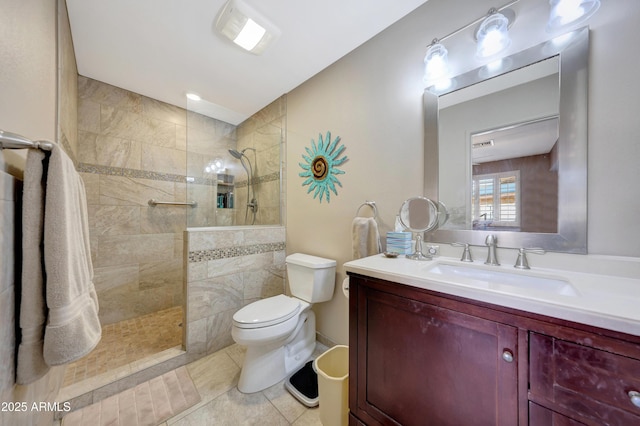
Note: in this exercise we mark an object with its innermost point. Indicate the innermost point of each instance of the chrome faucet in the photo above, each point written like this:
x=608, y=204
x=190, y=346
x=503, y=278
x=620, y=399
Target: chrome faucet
x=492, y=243
x=466, y=254
x=521, y=262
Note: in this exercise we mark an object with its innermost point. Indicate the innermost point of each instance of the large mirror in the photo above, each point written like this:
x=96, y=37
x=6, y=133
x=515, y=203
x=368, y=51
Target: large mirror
x=506, y=151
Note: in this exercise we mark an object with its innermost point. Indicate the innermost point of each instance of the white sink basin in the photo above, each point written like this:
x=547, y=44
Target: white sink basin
x=486, y=277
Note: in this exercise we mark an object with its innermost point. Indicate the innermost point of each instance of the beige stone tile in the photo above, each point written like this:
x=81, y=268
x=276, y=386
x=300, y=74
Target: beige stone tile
x=163, y=111
x=261, y=284
x=237, y=353
x=163, y=219
x=129, y=249
x=267, y=138
x=213, y=296
x=233, y=408
x=284, y=402
x=108, y=95
x=213, y=375
x=310, y=417
x=207, y=240
x=181, y=137
x=88, y=117
x=163, y=160
x=219, y=330
x=197, y=271
x=196, y=335
x=272, y=234
x=117, y=303
x=129, y=125
x=119, y=190
x=109, y=151
x=108, y=277
x=158, y=274
x=114, y=220
x=92, y=187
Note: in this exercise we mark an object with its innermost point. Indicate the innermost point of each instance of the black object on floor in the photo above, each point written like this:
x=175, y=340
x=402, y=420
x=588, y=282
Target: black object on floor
x=303, y=385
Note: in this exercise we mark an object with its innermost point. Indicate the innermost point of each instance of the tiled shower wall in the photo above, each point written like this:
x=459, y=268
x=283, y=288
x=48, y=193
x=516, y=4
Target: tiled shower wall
x=131, y=149
x=265, y=132
x=229, y=267
x=208, y=139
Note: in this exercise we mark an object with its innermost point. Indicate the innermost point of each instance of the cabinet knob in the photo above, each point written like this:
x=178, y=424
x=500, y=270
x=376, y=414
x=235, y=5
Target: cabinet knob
x=634, y=397
x=507, y=355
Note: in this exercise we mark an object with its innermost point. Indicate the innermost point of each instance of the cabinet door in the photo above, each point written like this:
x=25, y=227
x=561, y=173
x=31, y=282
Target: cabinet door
x=420, y=364
x=584, y=383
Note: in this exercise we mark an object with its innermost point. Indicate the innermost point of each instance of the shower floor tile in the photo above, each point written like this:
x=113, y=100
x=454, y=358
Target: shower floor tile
x=128, y=341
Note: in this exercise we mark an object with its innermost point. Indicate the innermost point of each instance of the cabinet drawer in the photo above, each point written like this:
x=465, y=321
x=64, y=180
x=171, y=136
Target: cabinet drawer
x=585, y=383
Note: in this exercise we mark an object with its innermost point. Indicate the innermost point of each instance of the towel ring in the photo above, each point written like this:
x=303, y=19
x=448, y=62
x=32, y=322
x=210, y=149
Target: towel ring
x=371, y=204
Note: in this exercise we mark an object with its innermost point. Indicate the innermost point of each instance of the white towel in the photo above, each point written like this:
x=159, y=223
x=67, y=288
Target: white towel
x=365, y=237
x=30, y=364
x=73, y=328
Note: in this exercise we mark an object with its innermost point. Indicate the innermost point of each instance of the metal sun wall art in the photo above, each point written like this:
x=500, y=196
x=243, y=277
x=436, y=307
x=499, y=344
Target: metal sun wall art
x=321, y=166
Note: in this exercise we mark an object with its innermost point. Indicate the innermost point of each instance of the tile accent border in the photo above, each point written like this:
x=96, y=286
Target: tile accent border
x=237, y=251
x=130, y=173
x=167, y=177
x=260, y=179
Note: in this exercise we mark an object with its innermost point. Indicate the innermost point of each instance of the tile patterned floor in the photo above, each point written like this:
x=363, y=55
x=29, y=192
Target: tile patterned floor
x=216, y=378
x=128, y=341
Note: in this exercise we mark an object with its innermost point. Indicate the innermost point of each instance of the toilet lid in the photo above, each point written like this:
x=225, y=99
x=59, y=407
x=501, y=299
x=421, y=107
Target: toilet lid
x=266, y=312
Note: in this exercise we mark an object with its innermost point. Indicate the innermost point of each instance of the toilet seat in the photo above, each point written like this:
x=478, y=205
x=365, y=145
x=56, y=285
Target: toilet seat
x=267, y=312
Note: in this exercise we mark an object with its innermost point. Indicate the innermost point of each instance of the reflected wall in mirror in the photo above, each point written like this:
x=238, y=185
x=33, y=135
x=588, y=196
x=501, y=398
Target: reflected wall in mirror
x=506, y=152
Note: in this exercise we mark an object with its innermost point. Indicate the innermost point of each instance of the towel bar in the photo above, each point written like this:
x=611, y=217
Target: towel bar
x=10, y=140
x=371, y=204
x=153, y=203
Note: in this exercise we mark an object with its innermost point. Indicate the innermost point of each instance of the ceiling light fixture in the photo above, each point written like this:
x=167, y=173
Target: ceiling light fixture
x=243, y=25
x=193, y=97
x=493, y=34
x=565, y=13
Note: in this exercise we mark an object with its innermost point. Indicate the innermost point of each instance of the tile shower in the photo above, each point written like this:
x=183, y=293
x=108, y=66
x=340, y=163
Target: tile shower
x=148, y=269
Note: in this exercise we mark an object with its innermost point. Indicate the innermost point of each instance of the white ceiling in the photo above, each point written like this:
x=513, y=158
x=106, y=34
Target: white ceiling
x=165, y=48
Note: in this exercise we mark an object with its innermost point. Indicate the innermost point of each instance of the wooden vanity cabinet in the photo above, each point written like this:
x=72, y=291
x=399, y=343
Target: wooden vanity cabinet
x=416, y=361
x=419, y=357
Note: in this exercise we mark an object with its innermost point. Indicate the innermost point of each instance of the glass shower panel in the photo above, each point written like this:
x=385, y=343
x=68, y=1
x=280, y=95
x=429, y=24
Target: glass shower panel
x=234, y=172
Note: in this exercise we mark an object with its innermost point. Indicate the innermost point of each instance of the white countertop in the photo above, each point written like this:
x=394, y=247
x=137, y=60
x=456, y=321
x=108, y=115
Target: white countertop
x=606, y=301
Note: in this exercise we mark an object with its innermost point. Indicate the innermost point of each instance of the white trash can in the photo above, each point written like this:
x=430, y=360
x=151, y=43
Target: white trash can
x=333, y=385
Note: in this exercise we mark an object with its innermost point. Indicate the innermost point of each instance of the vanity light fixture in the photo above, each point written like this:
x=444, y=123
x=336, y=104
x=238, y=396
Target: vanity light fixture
x=436, y=63
x=243, y=25
x=565, y=13
x=493, y=34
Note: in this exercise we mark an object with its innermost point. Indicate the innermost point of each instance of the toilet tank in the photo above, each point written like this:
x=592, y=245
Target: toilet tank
x=311, y=278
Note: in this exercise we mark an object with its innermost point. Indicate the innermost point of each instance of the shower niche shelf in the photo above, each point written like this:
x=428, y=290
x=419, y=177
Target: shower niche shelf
x=225, y=197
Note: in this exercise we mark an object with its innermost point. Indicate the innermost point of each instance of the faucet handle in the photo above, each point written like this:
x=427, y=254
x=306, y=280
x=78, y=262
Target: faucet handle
x=466, y=254
x=521, y=261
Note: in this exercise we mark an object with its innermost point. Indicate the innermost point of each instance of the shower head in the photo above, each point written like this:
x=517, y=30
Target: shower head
x=239, y=154
x=236, y=154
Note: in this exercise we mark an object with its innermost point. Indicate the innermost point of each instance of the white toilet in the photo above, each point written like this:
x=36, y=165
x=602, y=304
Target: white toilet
x=280, y=331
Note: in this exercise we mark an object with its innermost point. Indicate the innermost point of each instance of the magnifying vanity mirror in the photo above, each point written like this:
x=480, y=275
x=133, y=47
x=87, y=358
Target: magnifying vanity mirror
x=419, y=215
x=506, y=151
